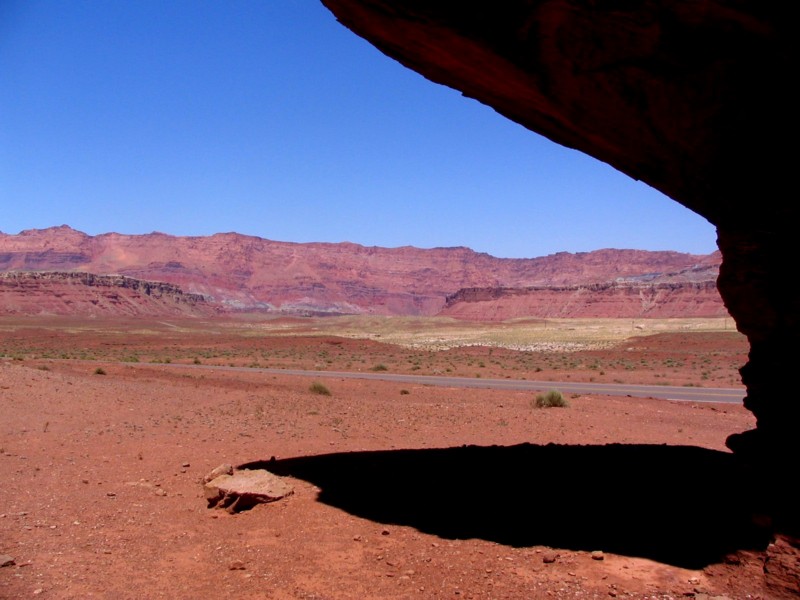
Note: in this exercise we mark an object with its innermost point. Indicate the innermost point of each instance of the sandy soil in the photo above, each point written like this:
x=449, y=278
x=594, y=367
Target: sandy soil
x=399, y=491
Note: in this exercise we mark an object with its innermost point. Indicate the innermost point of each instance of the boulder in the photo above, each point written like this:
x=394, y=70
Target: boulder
x=244, y=489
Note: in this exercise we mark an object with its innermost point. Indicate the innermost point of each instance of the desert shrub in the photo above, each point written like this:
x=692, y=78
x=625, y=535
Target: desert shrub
x=380, y=367
x=404, y=392
x=550, y=399
x=318, y=388
x=99, y=371
x=196, y=361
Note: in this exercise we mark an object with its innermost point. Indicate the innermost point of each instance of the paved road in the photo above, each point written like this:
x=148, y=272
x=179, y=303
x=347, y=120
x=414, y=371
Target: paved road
x=664, y=392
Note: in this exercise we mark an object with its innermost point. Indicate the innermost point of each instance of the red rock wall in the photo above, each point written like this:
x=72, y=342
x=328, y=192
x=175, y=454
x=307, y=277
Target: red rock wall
x=598, y=301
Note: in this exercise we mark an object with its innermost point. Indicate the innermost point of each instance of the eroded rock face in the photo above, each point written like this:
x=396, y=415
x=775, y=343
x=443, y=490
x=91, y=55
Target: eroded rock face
x=57, y=293
x=238, y=272
x=694, y=98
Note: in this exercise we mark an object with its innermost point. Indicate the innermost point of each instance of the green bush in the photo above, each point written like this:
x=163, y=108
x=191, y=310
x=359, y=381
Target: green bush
x=380, y=367
x=318, y=388
x=550, y=399
x=99, y=371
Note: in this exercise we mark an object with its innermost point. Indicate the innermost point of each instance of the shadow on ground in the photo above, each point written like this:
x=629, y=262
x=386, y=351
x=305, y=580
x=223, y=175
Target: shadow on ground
x=680, y=505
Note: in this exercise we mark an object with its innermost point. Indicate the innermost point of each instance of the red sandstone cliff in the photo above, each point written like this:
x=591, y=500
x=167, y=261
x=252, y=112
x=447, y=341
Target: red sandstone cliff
x=53, y=293
x=241, y=272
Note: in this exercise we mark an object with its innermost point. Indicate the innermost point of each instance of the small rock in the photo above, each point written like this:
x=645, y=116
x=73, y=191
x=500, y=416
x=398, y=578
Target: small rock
x=549, y=557
x=732, y=559
x=111, y=494
x=6, y=560
x=356, y=538
x=186, y=465
x=160, y=492
x=38, y=591
x=223, y=469
x=236, y=565
x=598, y=555
x=385, y=531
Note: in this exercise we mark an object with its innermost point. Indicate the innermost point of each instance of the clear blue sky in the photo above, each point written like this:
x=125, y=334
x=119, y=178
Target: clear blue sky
x=269, y=118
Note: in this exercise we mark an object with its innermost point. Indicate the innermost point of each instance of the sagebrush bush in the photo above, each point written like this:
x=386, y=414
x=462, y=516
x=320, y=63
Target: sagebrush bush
x=318, y=388
x=550, y=399
x=380, y=367
x=99, y=371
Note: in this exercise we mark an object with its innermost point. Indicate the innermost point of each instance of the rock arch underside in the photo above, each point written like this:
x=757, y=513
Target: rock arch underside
x=693, y=97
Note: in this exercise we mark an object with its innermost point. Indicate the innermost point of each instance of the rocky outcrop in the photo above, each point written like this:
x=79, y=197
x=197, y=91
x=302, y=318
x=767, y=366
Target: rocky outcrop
x=601, y=300
x=242, y=490
x=53, y=293
x=687, y=293
x=247, y=273
x=694, y=98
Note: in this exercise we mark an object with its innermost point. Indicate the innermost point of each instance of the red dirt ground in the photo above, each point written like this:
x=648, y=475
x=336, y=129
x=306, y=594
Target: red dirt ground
x=102, y=492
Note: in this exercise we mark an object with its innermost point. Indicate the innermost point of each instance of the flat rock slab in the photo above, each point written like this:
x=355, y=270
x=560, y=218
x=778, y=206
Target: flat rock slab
x=244, y=489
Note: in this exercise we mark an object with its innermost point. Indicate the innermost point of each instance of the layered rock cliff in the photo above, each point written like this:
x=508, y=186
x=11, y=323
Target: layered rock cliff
x=600, y=300
x=248, y=273
x=86, y=294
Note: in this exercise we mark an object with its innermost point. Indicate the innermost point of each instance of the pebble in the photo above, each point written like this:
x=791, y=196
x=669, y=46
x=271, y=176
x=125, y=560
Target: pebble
x=549, y=557
x=598, y=555
x=160, y=492
x=384, y=531
x=236, y=565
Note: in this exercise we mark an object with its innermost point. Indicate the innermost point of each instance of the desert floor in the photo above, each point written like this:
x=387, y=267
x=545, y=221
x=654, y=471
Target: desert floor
x=399, y=491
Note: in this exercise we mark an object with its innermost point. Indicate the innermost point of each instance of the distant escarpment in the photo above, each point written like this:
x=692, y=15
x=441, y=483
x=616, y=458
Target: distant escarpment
x=687, y=293
x=613, y=299
x=243, y=273
x=58, y=293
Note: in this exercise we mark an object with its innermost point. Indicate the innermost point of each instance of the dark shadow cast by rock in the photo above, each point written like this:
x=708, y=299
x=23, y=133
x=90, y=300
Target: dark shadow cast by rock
x=681, y=505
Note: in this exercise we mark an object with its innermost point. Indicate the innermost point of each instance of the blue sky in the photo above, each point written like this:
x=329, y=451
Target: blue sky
x=269, y=118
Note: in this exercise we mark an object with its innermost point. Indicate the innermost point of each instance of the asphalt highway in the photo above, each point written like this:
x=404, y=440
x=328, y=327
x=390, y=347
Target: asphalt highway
x=663, y=392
